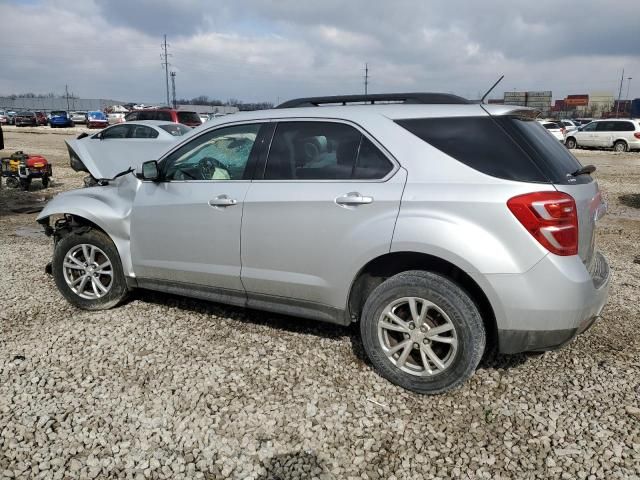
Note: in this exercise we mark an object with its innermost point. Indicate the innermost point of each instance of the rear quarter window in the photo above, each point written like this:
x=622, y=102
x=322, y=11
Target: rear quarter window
x=506, y=147
x=479, y=143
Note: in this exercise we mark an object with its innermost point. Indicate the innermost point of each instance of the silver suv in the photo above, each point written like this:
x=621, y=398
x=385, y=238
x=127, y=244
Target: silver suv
x=445, y=228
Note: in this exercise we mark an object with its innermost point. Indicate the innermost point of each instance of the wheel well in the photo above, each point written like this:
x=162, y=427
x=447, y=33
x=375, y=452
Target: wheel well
x=388, y=265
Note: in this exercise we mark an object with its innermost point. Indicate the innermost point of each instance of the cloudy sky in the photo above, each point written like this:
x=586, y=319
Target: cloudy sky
x=273, y=50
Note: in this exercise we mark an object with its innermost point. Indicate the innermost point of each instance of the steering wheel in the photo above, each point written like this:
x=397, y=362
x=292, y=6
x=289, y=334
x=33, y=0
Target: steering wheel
x=208, y=166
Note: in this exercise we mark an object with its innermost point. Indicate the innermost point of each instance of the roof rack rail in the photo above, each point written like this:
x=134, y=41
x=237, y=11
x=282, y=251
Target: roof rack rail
x=423, y=98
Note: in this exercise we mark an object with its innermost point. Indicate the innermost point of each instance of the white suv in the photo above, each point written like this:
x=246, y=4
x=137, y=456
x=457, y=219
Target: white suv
x=621, y=135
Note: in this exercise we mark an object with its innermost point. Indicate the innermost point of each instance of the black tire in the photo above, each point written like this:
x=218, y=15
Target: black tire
x=454, y=302
x=571, y=143
x=45, y=182
x=118, y=288
x=620, y=146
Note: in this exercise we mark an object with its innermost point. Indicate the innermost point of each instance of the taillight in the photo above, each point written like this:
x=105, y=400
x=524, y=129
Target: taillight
x=551, y=218
x=563, y=130
x=637, y=134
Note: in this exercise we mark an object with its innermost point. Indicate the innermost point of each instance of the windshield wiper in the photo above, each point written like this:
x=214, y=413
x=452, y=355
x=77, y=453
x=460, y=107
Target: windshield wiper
x=587, y=169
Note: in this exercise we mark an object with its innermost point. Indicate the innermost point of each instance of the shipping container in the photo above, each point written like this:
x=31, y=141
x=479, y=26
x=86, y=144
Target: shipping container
x=635, y=108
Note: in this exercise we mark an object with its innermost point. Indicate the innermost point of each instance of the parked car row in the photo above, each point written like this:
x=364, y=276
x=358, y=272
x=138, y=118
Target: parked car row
x=23, y=118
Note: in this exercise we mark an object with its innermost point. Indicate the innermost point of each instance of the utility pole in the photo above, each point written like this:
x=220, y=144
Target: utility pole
x=165, y=62
x=66, y=94
x=173, y=89
x=620, y=93
x=366, y=78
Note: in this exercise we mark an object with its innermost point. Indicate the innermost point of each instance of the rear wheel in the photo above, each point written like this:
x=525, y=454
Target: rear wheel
x=570, y=142
x=620, y=146
x=88, y=272
x=422, y=332
x=45, y=182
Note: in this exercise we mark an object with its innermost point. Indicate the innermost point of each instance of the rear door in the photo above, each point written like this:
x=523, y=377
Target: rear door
x=324, y=202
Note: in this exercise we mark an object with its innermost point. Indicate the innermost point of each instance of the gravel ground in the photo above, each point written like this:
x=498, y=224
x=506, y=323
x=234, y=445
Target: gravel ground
x=166, y=387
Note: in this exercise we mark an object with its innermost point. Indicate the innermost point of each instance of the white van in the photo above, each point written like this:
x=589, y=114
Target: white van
x=618, y=134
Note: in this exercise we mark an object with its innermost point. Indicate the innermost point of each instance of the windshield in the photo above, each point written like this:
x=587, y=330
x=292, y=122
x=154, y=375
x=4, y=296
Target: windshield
x=175, y=129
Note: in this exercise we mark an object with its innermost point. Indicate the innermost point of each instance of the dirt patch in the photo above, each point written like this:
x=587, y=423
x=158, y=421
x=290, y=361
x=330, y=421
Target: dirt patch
x=630, y=200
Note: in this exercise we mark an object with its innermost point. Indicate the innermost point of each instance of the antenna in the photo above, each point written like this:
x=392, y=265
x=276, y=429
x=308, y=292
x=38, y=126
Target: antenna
x=492, y=87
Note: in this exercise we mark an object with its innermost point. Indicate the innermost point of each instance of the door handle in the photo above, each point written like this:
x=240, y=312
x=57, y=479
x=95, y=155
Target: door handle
x=222, y=201
x=353, y=198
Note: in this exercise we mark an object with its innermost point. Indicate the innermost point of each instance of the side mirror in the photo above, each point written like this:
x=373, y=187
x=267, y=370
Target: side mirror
x=149, y=171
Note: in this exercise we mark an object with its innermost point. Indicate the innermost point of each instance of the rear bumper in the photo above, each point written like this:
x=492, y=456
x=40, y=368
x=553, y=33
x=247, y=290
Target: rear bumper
x=546, y=307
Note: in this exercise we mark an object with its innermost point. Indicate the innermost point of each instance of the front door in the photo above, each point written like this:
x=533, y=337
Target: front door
x=185, y=229
x=586, y=136
x=327, y=201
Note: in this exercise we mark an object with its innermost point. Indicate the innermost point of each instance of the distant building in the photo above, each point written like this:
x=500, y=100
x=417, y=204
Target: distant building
x=599, y=103
x=207, y=109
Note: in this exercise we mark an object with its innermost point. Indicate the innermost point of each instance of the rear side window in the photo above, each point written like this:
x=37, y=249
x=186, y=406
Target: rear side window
x=175, y=129
x=606, y=126
x=162, y=116
x=505, y=147
x=323, y=151
x=142, y=131
x=625, y=127
x=188, y=117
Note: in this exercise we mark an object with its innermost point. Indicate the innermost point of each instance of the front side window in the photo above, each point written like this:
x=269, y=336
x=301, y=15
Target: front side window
x=222, y=154
x=117, y=131
x=323, y=151
x=590, y=127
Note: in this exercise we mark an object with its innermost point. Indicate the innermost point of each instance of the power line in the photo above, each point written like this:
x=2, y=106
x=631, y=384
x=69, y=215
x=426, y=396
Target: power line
x=619, y=93
x=366, y=78
x=165, y=57
x=173, y=88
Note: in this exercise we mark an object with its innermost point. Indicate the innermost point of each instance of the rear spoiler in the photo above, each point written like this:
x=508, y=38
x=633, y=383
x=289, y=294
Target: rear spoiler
x=525, y=113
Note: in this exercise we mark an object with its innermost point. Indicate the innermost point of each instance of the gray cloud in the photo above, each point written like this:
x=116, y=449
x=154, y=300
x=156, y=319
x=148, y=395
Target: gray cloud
x=256, y=50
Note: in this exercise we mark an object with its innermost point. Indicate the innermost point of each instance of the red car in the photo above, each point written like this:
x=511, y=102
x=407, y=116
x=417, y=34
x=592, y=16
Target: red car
x=97, y=119
x=41, y=118
x=190, y=119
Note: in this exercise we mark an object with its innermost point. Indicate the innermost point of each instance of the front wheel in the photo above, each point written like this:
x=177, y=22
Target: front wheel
x=570, y=142
x=422, y=332
x=87, y=270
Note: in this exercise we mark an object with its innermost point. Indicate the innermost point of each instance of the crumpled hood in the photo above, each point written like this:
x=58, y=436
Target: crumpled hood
x=106, y=158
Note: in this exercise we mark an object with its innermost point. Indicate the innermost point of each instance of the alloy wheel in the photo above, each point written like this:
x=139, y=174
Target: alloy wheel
x=417, y=336
x=88, y=271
